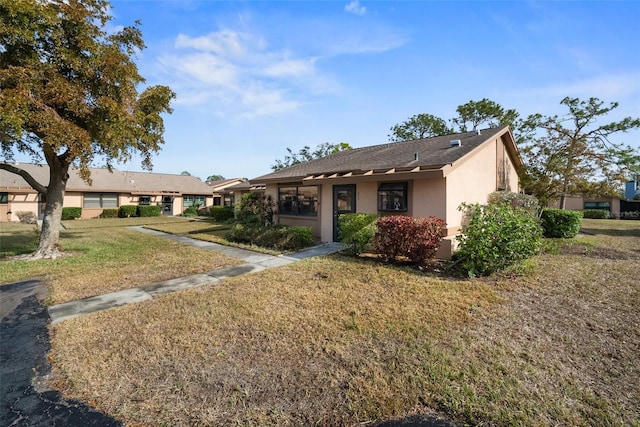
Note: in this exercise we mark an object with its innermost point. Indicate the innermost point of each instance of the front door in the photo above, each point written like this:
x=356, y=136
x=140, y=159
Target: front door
x=344, y=201
x=167, y=205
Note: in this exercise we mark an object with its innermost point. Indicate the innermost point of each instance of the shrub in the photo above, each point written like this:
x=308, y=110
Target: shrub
x=357, y=231
x=127, y=211
x=595, y=214
x=296, y=237
x=496, y=237
x=191, y=211
x=256, y=208
x=149, y=210
x=110, y=213
x=514, y=200
x=274, y=237
x=27, y=217
x=221, y=213
x=417, y=239
x=559, y=223
x=71, y=213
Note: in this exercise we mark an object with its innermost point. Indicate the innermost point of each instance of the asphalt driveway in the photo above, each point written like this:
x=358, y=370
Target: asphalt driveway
x=24, y=343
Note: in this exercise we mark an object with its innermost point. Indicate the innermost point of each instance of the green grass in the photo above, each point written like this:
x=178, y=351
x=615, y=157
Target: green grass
x=105, y=257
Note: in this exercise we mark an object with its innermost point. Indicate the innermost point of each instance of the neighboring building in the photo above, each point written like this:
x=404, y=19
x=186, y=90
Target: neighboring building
x=223, y=193
x=174, y=193
x=421, y=178
x=617, y=207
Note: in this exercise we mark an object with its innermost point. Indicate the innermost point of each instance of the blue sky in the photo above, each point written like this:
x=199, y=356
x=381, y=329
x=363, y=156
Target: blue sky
x=256, y=77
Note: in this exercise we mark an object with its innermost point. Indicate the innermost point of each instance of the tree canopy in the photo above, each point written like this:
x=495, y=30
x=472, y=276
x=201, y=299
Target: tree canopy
x=473, y=114
x=483, y=112
x=211, y=178
x=69, y=95
x=418, y=127
x=305, y=154
x=573, y=153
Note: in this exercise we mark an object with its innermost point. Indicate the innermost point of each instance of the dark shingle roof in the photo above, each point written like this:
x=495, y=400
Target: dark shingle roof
x=424, y=153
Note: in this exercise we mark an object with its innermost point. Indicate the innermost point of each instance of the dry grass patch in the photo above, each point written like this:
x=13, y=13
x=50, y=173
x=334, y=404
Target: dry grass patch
x=337, y=341
x=108, y=259
x=325, y=341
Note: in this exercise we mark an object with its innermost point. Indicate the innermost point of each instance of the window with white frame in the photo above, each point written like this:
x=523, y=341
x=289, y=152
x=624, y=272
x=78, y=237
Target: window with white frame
x=100, y=200
x=144, y=200
x=193, y=200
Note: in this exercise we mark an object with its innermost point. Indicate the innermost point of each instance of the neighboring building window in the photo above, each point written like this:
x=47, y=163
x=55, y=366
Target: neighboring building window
x=99, y=200
x=144, y=200
x=188, y=201
x=392, y=196
x=4, y=198
x=229, y=200
x=302, y=201
x=606, y=206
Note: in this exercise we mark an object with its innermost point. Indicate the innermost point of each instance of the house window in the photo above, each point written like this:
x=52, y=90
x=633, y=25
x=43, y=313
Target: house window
x=197, y=201
x=392, y=196
x=100, y=200
x=301, y=201
x=606, y=206
x=144, y=200
x=4, y=198
x=229, y=200
x=217, y=201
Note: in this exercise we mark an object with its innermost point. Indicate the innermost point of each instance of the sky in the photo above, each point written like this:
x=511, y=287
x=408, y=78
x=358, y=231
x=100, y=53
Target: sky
x=254, y=78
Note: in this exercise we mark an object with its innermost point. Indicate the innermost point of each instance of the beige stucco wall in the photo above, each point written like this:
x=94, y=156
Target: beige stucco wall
x=19, y=202
x=472, y=180
x=427, y=198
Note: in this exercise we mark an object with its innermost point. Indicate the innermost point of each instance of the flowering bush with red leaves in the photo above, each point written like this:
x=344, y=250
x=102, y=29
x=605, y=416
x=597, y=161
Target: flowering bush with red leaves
x=417, y=239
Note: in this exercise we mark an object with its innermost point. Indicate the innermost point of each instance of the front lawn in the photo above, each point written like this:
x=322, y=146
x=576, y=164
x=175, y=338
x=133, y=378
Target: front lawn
x=106, y=257
x=339, y=341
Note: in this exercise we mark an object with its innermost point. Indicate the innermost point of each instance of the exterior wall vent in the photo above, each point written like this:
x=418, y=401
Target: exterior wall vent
x=456, y=143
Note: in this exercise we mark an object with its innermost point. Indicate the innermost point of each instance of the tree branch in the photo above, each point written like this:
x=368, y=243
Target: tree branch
x=26, y=176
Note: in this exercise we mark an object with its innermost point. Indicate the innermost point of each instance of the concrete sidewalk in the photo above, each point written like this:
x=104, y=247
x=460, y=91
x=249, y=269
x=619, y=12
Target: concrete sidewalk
x=254, y=262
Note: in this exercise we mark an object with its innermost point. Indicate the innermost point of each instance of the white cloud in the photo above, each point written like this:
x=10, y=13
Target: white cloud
x=238, y=75
x=355, y=8
x=224, y=42
x=290, y=67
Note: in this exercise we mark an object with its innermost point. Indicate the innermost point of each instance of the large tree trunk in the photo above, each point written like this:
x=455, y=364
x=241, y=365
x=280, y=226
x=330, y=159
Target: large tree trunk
x=49, y=244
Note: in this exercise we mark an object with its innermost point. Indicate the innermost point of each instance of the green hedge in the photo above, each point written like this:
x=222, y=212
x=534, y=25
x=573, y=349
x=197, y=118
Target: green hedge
x=221, y=213
x=149, y=210
x=357, y=230
x=278, y=237
x=496, y=237
x=71, y=213
x=110, y=213
x=127, y=211
x=559, y=223
x=595, y=214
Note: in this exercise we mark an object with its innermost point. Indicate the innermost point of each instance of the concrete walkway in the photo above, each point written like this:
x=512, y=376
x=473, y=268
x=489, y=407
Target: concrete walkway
x=254, y=262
